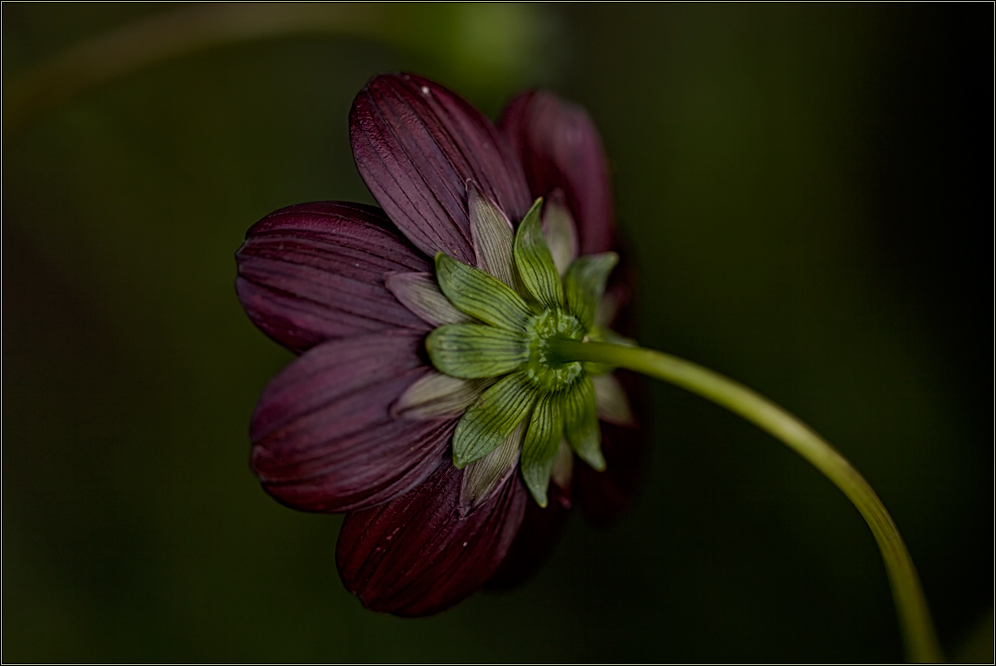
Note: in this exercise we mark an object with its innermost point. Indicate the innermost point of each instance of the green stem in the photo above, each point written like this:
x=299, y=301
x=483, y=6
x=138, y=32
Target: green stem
x=911, y=606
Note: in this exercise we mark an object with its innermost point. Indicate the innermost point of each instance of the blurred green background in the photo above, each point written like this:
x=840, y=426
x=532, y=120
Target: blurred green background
x=808, y=192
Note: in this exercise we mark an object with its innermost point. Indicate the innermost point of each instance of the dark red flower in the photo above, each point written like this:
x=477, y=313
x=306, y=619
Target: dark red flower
x=364, y=420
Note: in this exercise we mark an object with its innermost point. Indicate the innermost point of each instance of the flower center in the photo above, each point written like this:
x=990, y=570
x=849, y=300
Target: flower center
x=546, y=374
x=501, y=323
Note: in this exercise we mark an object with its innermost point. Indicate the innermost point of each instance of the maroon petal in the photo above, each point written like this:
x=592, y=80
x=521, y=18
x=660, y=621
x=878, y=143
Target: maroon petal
x=559, y=146
x=540, y=531
x=323, y=437
x=605, y=496
x=313, y=272
x=416, y=555
x=416, y=144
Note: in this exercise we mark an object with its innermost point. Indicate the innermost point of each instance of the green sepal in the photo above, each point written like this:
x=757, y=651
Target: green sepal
x=492, y=418
x=420, y=293
x=611, y=401
x=492, y=235
x=539, y=448
x=534, y=261
x=608, y=309
x=563, y=466
x=585, y=283
x=560, y=232
x=474, y=351
x=437, y=395
x=581, y=427
x=482, y=477
x=480, y=294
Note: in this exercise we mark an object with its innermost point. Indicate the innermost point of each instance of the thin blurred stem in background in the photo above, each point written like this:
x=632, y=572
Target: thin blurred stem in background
x=490, y=41
x=918, y=631
x=160, y=37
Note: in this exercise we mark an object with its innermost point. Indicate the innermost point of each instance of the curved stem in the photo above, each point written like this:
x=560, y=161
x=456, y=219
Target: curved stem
x=167, y=35
x=446, y=32
x=911, y=606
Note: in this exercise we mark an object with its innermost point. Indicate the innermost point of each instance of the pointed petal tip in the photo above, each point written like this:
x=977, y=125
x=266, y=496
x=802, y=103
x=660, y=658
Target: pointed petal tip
x=442, y=261
x=539, y=496
x=541, y=445
x=597, y=463
x=537, y=481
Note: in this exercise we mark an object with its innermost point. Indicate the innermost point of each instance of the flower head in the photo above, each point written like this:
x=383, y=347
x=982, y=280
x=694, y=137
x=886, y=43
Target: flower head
x=428, y=401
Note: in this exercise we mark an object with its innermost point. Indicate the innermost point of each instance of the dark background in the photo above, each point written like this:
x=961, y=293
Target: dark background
x=808, y=191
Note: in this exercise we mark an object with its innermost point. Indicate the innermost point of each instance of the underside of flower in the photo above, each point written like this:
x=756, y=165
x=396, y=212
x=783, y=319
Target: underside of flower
x=497, y=326
x=433, y=335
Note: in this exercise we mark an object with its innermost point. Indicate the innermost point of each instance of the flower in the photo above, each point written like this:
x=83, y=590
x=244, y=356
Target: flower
x=424, y=403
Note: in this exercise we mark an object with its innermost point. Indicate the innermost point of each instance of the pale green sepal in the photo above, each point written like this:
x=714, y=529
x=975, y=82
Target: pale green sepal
x=421, y=295
x=581, y=422
x=585, y=284
x=475, y=351
x=560, y=232
x=608, y=307
x=492, y=235
x=480, y=294
x=532, y=258
x=492, y=418
x=608, y=335
x=481, y=478
x=611, y=401
x=437, y=395
x=539, y=447
x=563, y=465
